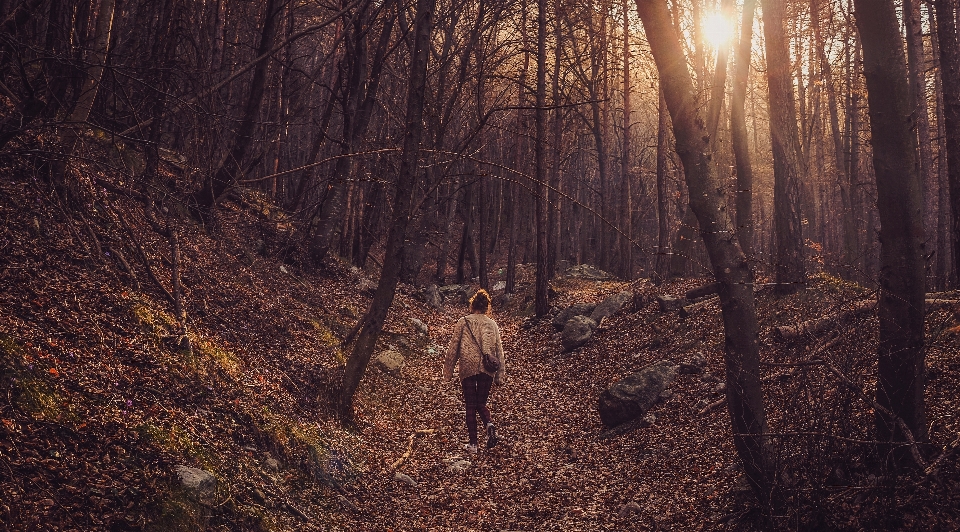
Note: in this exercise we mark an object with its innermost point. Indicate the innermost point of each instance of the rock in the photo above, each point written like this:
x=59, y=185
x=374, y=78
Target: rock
x=420, y=326
x=458, y=294
x=577, y=309
x=720, y=388
x=634, y=395
x=693, y=365
x=271, y=464
x=258, y=496
x=666, y=394
x=390, y=361
x=610, y=306
x=431, y=296
x=669, y=303
x=576, y=332
x=499, y=286
x=630, y=508
x=586, y=271
x=458, y=466
x=202, y=483
x=400, y=477
x=709, y=377
x=640, y=301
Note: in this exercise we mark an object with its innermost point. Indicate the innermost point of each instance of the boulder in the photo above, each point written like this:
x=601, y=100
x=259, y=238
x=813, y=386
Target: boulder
x=200, y=483
x=390, y=361
x=610, y=306
x=576, y=332
x=458, y=294
x=630, y=508
x=588, y=272
x=577, y=309
x=669, y=303
x=500, y=285
x=693, y=365
x=431, y=296
x=634, y=395
x=420, y=326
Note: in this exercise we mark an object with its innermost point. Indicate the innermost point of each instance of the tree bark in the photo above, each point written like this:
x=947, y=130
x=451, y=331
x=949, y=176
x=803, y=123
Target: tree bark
x=899, y=201
x=738, y=130
x=742, y=355
x=403, y=199
x=789, y=270
x=541, y=304
x=950, y=79
x=231, y=166
x=663, y=220
x=626, y=204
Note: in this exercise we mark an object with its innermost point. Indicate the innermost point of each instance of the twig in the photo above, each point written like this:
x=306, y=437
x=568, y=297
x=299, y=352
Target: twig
x=901, y=424
x=932, y=468
x=406, y=455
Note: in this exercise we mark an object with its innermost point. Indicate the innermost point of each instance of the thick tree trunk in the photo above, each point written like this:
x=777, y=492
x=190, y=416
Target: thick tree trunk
x=403, y=199
x=944, y=217
x=899, y=201
x=789, y=269
x=730, y=268
x=738, y=130
x=950, y=78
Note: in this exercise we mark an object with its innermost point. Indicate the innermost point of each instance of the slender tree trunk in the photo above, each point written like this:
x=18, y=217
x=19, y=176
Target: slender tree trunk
x=96, y=59
x=663, y=218
x=918, y=82
x=626, y=204
x=899, y=201
x=950, y=79
x=738, y=130
x=542, y=306
x=742, y=353
x=789, y=269
x=553, y=214
x=944, y=216
x=403, y=199
x=231, y=166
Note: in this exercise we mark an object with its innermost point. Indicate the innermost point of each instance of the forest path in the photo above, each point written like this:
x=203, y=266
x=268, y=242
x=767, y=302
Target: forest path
x=550, y=471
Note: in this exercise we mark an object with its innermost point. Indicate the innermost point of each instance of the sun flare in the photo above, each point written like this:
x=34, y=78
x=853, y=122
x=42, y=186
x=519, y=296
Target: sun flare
x=717, y=30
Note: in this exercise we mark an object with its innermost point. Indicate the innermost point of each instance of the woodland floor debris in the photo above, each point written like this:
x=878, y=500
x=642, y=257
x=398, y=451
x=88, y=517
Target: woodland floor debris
x=98, y=407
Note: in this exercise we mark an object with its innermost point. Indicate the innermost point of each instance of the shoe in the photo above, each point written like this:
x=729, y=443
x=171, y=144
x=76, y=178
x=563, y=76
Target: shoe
x=470, y=448
x=491, y=436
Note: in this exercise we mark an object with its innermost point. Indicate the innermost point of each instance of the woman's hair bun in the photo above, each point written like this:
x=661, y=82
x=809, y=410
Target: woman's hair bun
x=480, y=301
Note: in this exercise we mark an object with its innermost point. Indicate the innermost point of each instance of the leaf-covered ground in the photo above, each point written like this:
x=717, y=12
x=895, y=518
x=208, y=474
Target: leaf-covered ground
x=99, y=405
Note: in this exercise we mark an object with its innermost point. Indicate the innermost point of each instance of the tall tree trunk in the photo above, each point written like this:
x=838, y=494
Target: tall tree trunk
x=944, y=216
x=738, y=130
x=742, y=353
x=918, y=82
x=96, y=59
x=403, y=199
x=950, y=78
x=231, y=166
x=789, y=269
x=553, y=214
x=663, y=220
x=899, y=201
x=626, y=204
x=541, y=304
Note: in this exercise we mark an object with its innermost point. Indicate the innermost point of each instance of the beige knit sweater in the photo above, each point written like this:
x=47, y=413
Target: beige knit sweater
x=486, y=332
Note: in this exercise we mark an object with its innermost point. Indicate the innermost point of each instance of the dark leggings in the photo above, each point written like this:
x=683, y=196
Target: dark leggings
x=476, y=389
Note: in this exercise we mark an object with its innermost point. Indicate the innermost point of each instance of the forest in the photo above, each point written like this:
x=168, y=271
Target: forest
x=721, y=242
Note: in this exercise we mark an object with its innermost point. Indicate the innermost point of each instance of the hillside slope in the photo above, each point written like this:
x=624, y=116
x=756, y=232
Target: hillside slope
x=102, y=405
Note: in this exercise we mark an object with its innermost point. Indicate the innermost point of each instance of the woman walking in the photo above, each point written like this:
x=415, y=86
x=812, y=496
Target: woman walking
x=475, y=336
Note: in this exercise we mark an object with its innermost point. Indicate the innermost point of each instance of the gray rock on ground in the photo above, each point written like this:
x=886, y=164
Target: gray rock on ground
x=610, y=306
x=201, y=483
x=669, y=303
x=406, y=479
x=577, y=332
x=693, y=365
x=633, y=396
x=577, y=309
x=431, y=296
x=420, y=326
x=588, y=272
x=390, y=361
x=630, y=508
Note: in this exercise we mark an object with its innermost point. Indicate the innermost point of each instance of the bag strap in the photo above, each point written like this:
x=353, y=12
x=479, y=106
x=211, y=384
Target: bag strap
x=466, y=322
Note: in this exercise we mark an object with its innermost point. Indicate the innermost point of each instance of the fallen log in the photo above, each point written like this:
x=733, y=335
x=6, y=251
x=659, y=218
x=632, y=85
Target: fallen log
x=687, y=310
x=406, y=456
x=786, y=333
x=702, y=291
